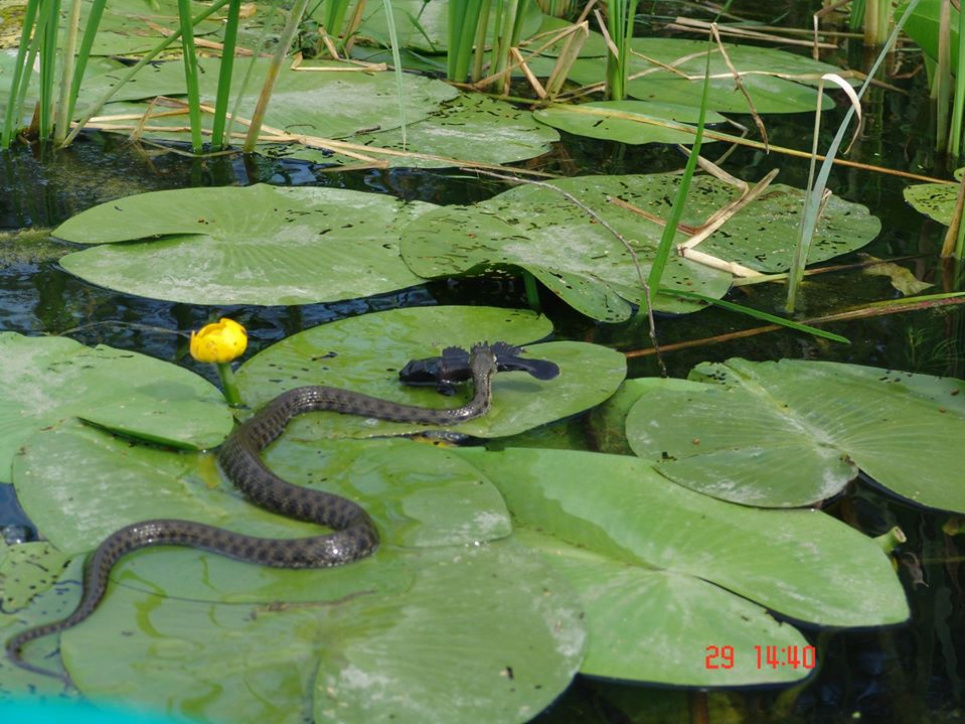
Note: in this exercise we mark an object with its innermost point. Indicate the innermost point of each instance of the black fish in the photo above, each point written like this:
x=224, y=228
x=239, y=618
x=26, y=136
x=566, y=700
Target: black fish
x=452, y=367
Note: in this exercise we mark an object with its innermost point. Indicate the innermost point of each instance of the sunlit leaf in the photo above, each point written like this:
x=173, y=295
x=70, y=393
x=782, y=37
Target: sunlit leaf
x=793, y=432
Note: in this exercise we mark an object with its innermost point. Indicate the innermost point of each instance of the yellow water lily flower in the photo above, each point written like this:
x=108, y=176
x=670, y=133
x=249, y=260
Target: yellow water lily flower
x=220, y=342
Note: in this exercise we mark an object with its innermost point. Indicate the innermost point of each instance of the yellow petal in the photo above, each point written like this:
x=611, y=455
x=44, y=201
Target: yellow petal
x=220, y=342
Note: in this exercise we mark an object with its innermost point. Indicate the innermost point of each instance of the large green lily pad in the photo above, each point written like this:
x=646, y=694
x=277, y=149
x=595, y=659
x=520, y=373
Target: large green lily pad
x=764, y=74
x=472, y=128
x=652, y=562
x=793, y=433
x=538, y=229
x=48, y=379
x=190, y=621
x=253, y=245
x=485, y=634
x=334, y=102
x=365, y=354
x=80, y=484
x=632, y=122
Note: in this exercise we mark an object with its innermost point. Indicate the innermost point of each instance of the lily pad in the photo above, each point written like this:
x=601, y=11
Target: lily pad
x=793, y=433
x=633, y=122
x=48, y=379
x=472, y=128
x=343, y=354
x=253, y=245
x=643, y=552
x=540, y=230
x=671, y=70
x=936, y=201
x=79, y=484
x=481, y=634
x=332, y=101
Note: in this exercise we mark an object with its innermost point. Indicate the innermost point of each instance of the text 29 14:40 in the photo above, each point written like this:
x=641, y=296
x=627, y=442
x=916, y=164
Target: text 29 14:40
x=773, y=657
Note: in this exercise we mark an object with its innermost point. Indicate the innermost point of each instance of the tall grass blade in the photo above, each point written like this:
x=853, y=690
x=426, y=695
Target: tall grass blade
x=20, y=77
x=280, y=57
x=225, y=72
x=83, y=54
x=620, y=15
x=397, y=66
x=48, y=65
x=756, y=314
x=957, y=143
x=62, y=124
x=190, y=60
x=132, y=71
x=680, y=200
x=815, y=196
x=464, y=18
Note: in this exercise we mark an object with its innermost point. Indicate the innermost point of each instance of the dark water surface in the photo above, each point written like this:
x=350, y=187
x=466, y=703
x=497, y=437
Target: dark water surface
x=911, y=673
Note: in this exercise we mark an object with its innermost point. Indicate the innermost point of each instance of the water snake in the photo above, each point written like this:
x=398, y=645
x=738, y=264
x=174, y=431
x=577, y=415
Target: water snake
x=354, y=537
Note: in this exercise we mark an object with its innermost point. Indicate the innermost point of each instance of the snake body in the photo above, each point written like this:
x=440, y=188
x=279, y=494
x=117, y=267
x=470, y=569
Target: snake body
x=355, y=534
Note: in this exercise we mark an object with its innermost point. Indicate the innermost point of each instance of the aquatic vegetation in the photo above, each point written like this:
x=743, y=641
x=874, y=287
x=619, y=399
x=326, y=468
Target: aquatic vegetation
x=506, y=568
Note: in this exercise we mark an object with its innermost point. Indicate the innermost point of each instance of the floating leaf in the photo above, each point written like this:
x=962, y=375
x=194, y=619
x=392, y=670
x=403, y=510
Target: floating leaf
x=253, y=245
x=582, y=262
x=472, y=127
x=632, y=122
x=79, y=484
x=936, y=201
x=671, y=70
x=793, y=433
x=334, y=101
x=480, y=634
x=650, y=560
x=366, y=353
x=48, y=379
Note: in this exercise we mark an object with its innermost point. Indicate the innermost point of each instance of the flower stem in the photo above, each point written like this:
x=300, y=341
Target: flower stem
x=228, y=384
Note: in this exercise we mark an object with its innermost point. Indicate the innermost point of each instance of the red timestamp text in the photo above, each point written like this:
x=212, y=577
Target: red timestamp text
x=765, y=657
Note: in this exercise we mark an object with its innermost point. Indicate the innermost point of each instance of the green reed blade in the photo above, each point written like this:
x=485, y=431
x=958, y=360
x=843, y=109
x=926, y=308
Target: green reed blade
x=956, y=143
x=813, y=199
x=680, y=200
x=132, y=71
x=225, y=72
x=83, y=55
x=191, y=73
x=62, y=124
x=20, y=77
x=756, y=314
x=397, y=63
x=620, y=15
x=285, y=41
x=48, y=66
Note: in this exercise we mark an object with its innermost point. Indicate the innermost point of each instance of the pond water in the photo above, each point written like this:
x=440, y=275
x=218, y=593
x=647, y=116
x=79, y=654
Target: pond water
x=909, y=673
